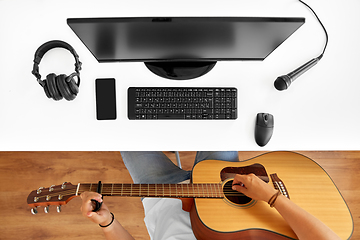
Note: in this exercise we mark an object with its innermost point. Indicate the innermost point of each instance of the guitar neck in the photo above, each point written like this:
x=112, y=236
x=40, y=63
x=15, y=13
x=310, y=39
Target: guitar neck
x=202, y=190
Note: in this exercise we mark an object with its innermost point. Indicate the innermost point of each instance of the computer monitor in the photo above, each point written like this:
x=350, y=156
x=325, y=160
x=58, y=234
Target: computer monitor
x=182, y=47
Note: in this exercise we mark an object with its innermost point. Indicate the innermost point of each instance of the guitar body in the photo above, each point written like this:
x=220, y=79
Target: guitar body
x=309, y=186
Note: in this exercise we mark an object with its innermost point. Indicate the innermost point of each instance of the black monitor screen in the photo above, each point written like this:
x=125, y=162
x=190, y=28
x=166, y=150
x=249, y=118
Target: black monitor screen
x=183, y=38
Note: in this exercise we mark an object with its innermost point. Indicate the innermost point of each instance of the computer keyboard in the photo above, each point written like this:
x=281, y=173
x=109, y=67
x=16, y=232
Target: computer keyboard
x=182, y=103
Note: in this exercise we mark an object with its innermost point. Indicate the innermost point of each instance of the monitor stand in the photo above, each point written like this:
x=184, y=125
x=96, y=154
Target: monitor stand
x=180, y=70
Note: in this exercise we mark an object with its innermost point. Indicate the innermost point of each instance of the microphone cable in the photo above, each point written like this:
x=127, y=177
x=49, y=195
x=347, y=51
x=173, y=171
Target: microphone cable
x=284, y=81
x=322, y=25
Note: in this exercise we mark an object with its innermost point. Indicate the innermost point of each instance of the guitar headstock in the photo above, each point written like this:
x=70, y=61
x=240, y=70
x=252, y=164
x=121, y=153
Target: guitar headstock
x=54, y=195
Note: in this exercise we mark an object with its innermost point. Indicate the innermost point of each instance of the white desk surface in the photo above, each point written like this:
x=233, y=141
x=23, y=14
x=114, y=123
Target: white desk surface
x=320, y=110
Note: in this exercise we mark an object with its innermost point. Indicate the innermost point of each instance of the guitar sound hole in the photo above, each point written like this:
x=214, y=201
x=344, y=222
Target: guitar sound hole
x=234, y=196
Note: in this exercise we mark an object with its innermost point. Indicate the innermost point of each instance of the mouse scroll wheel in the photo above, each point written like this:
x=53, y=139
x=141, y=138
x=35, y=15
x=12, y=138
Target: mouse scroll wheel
x=266, y=117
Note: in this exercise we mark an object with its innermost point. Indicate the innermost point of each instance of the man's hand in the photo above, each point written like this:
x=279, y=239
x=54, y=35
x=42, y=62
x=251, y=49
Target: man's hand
x=253, y=187
x=102, y=217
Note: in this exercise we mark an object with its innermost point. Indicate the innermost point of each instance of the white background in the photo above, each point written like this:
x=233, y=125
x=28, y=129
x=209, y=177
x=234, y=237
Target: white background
x=320, y=110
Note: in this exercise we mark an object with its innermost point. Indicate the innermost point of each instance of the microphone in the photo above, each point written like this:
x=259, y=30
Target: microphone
x=284, y=81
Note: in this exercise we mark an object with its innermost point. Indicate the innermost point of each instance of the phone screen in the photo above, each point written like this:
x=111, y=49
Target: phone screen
x=105, y=98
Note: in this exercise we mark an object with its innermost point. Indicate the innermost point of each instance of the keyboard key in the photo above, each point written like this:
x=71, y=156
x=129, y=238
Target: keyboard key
x=171, y=116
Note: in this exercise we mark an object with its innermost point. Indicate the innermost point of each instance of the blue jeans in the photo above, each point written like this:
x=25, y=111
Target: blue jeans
x=156, y=167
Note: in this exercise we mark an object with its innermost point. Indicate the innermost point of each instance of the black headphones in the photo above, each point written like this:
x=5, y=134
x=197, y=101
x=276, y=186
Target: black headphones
x=62, y=86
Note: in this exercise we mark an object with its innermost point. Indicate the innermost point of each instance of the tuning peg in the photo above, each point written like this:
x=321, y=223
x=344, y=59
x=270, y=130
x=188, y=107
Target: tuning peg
x=63, y=186
x=58, y=208
x=46, y=209
x=34, y=210
x=51, y=188
x=39, y=190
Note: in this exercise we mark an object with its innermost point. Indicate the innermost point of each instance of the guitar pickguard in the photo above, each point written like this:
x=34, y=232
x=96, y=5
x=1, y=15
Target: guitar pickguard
x=256, y=168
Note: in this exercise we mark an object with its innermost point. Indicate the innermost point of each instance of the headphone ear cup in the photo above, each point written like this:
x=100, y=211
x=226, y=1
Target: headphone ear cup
x=52, y=87
x=72, y=85
x=46, y=89
x=64, y=88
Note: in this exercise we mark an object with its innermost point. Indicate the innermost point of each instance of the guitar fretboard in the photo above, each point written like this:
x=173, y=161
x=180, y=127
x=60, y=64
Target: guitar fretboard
x=198, y=190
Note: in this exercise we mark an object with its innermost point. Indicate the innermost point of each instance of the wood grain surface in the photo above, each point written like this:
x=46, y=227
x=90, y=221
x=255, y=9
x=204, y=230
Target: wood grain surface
x=22, y=172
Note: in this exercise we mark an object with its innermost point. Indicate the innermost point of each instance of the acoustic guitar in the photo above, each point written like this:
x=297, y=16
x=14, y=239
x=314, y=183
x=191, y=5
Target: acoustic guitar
x=218, y=212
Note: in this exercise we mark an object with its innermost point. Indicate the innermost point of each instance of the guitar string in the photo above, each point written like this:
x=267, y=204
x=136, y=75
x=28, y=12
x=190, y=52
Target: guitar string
x=176, y=194
x=136, y=192
x=154, y=191
x=135, y=187
x=150, y=189
x=196, y=195
x=153, y=188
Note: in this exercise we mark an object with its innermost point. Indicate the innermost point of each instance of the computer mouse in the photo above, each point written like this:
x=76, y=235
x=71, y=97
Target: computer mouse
x=263, y=128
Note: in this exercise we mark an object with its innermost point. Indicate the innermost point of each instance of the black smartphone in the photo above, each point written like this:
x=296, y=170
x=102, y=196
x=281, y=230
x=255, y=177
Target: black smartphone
x=105, y=99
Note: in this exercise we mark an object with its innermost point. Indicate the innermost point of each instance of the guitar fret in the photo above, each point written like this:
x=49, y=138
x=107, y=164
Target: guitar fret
x=77, y=189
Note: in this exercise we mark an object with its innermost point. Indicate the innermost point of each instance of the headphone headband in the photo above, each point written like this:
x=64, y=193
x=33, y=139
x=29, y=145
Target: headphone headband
x=40, y=52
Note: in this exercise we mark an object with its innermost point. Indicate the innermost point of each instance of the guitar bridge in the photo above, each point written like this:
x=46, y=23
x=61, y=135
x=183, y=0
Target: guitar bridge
x=279, y=185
